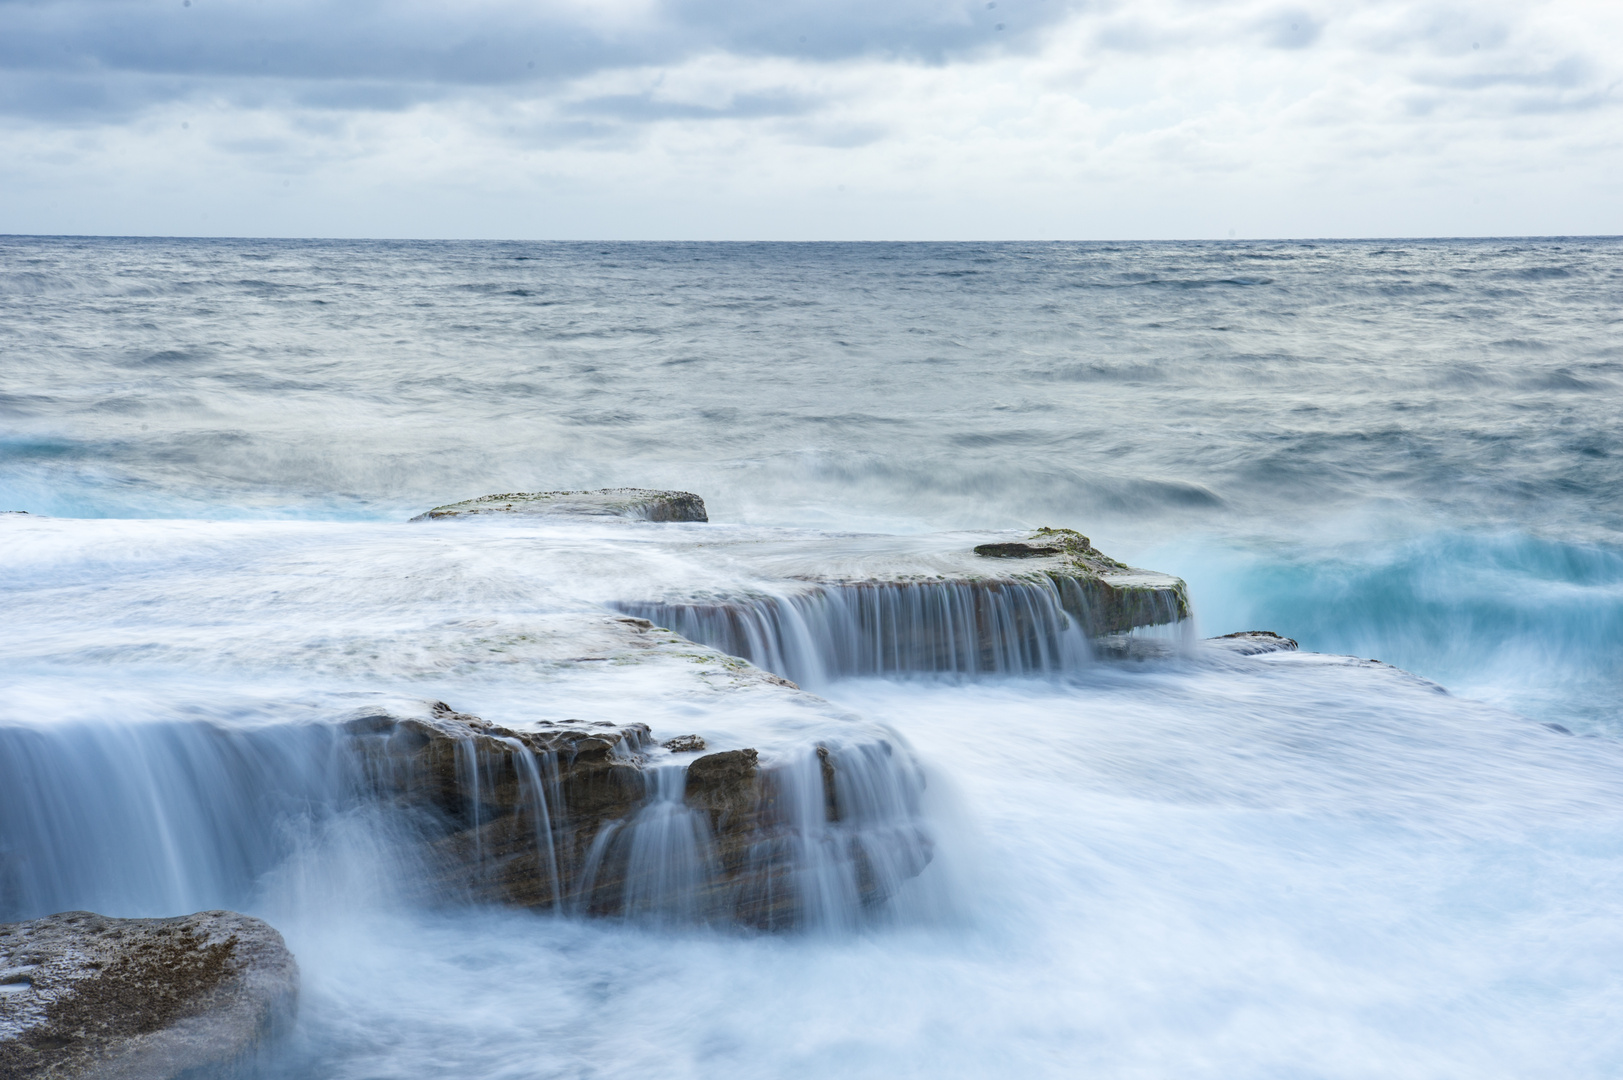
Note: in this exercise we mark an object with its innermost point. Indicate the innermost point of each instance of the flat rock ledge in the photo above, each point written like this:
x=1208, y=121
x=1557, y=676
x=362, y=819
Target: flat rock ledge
x=957, y=602
x=85, y=996
x=635, y=504
x=569, y=816
x=1104, y=595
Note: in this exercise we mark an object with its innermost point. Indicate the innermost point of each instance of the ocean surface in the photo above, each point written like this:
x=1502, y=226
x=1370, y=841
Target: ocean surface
x=1406, y=451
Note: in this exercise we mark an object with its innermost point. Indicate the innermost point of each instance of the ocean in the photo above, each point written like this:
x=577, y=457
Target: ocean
x=1309, y=865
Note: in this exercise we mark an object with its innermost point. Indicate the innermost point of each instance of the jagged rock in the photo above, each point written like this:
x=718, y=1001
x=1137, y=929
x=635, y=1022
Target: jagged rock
x=82, y=995
x=638, y=504
x=546, y=817
x=684, y=744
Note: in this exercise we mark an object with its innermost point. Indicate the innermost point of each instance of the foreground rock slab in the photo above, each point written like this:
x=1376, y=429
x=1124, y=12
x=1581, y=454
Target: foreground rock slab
x=82, y=995
x=636, y=504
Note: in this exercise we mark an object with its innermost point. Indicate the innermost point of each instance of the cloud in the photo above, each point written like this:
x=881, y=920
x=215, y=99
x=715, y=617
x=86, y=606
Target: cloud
x=646, y=106
x=76, y=56
x=726, y=117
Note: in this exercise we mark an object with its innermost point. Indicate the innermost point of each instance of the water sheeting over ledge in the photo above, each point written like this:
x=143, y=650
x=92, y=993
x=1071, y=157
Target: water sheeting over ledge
x=147, y=818
x=1037, y=625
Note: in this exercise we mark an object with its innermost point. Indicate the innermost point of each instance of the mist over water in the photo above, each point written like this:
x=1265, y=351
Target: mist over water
x=1201, y=866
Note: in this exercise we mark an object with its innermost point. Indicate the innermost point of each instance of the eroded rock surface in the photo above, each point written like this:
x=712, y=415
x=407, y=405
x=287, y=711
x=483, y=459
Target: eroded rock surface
x=871, y=605
x=86, y=996
x=596, y=818
x=1105, y=595
x=638, y=504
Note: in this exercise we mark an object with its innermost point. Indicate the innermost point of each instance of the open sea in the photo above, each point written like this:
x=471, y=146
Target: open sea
x=1406, y=451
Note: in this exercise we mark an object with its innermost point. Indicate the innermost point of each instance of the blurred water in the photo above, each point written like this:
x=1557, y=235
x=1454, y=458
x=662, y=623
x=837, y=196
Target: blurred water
x=1200, y=867
x=1303, y=418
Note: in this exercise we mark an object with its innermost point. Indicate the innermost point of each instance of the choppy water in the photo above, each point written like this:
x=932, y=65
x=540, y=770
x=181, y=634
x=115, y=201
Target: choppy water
x=1403, y=450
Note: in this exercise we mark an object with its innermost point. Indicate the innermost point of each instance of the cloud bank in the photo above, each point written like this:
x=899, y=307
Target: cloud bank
x=724, y=119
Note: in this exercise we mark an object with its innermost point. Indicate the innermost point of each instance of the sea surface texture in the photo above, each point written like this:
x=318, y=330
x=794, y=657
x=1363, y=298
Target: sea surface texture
x=1189, y=864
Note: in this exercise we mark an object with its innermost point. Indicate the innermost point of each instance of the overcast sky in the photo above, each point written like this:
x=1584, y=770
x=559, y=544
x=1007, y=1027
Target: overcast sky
x=788, y=119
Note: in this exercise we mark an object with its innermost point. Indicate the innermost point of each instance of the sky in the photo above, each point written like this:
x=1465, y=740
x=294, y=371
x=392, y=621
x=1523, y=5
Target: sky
x=789, y=119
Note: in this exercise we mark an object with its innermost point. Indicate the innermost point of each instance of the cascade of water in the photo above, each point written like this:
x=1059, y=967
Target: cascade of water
x=850, y=830
x=971, y=628
x=533, y=796
x=664, y=859
x=470, y=769
x=156, y=819
x=167, y=818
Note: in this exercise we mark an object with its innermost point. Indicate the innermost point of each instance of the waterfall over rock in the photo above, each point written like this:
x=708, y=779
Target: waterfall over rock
x=977, y=614
x=586, y=818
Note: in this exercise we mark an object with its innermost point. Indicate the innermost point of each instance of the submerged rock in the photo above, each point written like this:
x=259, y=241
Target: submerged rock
x=82, y=995
x=637, y=504
x=1254, y=642
x=594, y=818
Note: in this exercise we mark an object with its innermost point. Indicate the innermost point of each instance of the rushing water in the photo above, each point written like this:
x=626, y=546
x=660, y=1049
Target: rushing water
x=1205, y=865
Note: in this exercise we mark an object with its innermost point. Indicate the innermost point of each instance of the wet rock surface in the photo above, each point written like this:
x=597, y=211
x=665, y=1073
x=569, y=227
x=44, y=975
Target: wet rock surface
x=637, y=504
x=863, y=605
x=596, y=819
x=1104, y=595
x=82, y=995
x=1254, y=642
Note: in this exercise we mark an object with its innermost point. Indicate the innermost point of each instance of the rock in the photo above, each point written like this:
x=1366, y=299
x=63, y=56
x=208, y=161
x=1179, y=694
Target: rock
x=637, y=504
x=684, y=744
x=548, y=817
x=1107, y=596
x=82, y=995
x=1253, y=642
x=1017, y=549
x=864, y=605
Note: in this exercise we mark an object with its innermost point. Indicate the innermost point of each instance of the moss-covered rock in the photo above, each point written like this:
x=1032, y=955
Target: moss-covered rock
x=1105, y=595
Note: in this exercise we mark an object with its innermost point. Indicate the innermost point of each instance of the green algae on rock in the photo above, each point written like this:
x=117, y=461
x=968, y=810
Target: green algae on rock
x=1105, y=595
